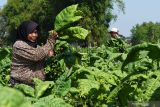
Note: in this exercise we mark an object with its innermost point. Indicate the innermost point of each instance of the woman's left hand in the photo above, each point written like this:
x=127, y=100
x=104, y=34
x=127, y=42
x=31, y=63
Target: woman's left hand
x=50, y=53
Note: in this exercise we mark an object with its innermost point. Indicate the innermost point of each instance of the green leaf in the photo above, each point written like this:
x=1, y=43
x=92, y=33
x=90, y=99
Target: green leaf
x=4, y=52
x=66, y=17
x=62, y=85
x=62, y=88
x=104, y=77
x=133, y=55
x=41, y=87
x=149, y=87
x=73, y=90
x=60, y=44
x=5, y=58
x=65, y=37
x=12, y=98
x=50, y=101
x=77, y=32
x=85, y=86
x=27, y=90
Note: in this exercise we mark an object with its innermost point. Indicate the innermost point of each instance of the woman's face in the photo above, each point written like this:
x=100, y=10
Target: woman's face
x=33, y=36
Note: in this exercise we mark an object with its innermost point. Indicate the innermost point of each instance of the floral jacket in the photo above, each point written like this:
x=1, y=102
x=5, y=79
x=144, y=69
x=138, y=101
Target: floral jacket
x=28, y=62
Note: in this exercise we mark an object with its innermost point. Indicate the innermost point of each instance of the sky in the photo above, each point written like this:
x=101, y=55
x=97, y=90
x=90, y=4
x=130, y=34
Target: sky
x=136, y=12
x=2, y=2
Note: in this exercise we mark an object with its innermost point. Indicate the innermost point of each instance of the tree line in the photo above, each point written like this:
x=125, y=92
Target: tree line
x=97, y=16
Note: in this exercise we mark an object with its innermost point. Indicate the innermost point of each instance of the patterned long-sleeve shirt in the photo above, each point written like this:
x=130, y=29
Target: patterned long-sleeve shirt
x=28, y=62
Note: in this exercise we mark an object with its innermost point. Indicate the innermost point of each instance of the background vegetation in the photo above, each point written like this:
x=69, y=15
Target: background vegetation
x=97, y=16
x=146, y=32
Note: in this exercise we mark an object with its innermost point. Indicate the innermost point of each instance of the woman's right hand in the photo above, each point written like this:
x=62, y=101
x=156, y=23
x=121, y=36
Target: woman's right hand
x=53, y=34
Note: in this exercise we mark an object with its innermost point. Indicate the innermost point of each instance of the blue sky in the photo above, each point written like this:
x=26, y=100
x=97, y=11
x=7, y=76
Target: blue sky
x=136, y=12
x=2, y=2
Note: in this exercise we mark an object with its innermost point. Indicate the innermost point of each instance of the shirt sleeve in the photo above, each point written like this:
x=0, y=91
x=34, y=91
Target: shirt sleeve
x=24, y=50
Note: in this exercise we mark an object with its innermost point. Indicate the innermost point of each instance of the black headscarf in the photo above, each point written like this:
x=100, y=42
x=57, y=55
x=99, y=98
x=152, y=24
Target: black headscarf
x=26, y=28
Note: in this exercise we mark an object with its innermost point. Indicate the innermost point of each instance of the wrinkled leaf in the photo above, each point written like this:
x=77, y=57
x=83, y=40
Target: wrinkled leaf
x=27, y=90
x=77, y=32
x=66, y=17
x=50, y=101
x=85, y=86
x=41, y=87
x=12, y=98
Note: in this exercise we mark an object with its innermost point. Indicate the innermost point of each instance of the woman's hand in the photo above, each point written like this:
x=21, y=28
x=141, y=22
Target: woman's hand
x=50, y=53
x=53, y=34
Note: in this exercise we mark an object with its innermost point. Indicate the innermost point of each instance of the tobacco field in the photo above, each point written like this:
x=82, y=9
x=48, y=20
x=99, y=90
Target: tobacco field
x=86, y=77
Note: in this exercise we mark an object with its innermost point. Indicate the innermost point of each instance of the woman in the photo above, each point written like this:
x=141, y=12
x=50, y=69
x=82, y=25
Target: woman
x=28, y=58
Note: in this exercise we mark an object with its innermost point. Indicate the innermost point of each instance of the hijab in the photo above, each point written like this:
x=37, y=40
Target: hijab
x=26, y=28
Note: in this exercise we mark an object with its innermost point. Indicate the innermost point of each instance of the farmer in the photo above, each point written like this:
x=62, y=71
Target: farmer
x=28, y=58
x=117, y=41
x=115, y=33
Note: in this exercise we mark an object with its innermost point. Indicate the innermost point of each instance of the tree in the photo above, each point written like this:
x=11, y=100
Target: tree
x=16, y=12
x=146, y=32
x=40, y=11
x=97, y=17
x=3, y=32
